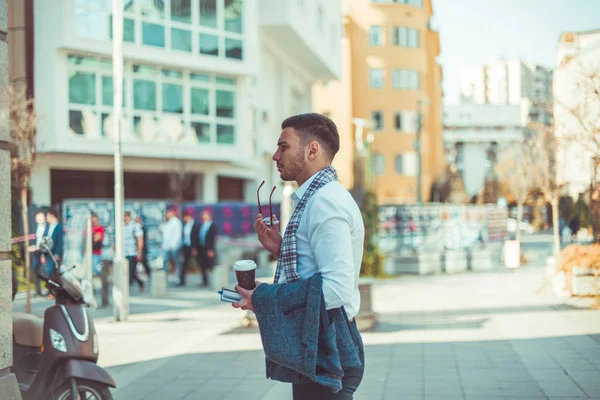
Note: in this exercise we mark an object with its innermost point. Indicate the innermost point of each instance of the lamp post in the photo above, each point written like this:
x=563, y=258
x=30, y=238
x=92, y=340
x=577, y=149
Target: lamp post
x=417, y=146
x=120, y=269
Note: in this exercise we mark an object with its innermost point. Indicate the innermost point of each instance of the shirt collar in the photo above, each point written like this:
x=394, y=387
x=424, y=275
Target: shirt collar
x=297, y=195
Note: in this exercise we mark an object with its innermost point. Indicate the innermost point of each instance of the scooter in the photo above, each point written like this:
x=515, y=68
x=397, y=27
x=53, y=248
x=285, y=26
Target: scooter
x=55, y=358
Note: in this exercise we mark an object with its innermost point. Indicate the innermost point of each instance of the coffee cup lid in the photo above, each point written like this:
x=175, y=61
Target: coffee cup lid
x=244, y=265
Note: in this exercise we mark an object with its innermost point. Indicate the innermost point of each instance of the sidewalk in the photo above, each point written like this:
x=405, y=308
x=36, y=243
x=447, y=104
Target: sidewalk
x=469, y=336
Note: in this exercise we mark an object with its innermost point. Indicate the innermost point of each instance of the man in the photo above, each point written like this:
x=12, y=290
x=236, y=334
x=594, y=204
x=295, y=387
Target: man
x=171, y=241
x=190, y=231
x=36, y=256
x=97, y=240
x=144, y=260
x=325, y=233
x=56, y=233
x=133, y=245
x=207, y=238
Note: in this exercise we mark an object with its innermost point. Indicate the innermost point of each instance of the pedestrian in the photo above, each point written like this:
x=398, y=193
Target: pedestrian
x=133, y=245
x=144, y=260
x=171, y=241
x=574, y=225
x=41, y=230
x=207, y=249
x=56, y=233
x=324, y=237
x=97, y=244
x=190, y=231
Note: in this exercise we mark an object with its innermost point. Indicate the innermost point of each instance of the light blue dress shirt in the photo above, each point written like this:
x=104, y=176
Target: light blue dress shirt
x=330, y=240
x=172, y=234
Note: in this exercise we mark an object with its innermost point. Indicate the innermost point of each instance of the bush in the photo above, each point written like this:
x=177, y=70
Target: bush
x=372, y=262
x=577, y=255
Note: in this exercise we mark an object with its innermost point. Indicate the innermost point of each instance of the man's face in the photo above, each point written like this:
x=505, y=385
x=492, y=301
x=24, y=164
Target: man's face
x=95, y=221
x=51, y=219
x=206, y=216
x=290, y=156
x=127, y=219
x=40, y=218
x=187, y=218
x=168, y=215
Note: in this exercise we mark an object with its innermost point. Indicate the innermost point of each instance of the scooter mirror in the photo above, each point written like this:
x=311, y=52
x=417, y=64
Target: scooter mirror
x=47, y=242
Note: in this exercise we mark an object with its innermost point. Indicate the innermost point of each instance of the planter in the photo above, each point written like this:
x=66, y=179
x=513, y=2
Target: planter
x=480, y=259
x=366, y=318
x=551, y=267
x=584, y=282
x=421, y=263
x=559, y=285
x=455, y=261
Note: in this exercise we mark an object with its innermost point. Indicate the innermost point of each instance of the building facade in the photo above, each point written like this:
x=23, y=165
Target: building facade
x=389, y=76
x=577, y=107
x=474, y=135
x=206, y=85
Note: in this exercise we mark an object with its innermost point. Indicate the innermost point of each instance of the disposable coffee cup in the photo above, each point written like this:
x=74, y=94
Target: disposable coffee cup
x=245, y=272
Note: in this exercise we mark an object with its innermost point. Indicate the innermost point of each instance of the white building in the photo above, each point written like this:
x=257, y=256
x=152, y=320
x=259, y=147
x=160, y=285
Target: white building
x=578, y=56
x=206, y=86
x=474, y=134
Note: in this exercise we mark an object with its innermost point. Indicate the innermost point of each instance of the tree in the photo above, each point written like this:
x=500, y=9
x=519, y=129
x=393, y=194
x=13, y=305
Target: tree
x=514, y=171
x=18, y=111
x=579, y=124
x=372, y=263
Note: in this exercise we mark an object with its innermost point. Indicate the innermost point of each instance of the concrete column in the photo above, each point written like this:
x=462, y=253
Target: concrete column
x=41, y=191
x=210, y=187
x=8, y=382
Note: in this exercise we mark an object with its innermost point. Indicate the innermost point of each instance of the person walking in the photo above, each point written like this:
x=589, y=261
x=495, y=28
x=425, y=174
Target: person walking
x=144, y=260
x=97, y=244
x=207, y=251
x=134, y=243
x=190, y=230
x=56, y=233
x=171, y=241
x=325, y=236
x=36, y=255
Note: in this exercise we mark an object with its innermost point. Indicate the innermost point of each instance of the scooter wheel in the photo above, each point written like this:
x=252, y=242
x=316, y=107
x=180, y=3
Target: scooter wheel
x=86, y=389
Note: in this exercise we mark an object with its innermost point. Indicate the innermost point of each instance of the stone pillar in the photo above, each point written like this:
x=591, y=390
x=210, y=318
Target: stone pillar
x=8, y=382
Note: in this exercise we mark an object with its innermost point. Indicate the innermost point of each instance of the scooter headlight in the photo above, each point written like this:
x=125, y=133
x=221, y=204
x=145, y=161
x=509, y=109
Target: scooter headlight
x=58, y=341
x=87, y=291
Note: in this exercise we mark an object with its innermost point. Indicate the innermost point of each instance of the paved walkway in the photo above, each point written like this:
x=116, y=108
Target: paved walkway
x=469, y=336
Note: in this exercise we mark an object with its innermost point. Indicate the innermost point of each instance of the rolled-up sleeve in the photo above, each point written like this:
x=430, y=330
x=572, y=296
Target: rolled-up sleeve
x=331, y=241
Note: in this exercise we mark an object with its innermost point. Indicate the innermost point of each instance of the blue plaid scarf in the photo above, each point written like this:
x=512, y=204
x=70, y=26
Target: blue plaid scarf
x=288, y=258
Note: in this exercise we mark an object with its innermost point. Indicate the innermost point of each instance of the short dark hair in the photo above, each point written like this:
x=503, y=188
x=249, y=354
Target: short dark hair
x=318, y=127
x=94, y=215
x=53, y=212
x=127, y=214
x=40, y=211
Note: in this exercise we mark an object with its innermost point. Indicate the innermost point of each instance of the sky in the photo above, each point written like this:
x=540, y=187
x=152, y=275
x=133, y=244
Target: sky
x=474, y=31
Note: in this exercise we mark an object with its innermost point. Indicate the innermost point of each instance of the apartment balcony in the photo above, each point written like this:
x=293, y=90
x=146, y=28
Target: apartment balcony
x=312, y=36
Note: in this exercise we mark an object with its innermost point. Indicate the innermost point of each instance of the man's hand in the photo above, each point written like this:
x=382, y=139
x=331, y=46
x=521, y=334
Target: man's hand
x=246, y=302
x=138, y=257
x=268, y=236
x=211, y=253
x=195, y=252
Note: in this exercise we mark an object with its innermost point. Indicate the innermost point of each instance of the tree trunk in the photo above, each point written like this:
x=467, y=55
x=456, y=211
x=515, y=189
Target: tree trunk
x=24, y=214
x=595, y=212
x=556, y=227
x=519, y=218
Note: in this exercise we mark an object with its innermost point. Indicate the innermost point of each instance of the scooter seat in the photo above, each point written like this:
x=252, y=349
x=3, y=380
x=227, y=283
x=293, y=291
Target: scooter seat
x=28, y=330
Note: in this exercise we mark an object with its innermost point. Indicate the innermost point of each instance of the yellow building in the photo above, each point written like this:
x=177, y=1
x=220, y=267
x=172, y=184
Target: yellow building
x=388, y=67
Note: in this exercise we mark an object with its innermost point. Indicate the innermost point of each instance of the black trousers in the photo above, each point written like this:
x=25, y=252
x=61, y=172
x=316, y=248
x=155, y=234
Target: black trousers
x=350, y=382
x=133, y=276
x=144, y=262
x=187, y=257
x=36, y=264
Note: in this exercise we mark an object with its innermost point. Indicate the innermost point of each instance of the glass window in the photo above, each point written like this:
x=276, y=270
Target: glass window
x=181, y=10
x=202, y=130
x=414, y=80
x=376, y=78
x=377, y=118
x=225, y=81
x=233, y=48
x=144, y=95
x=375, y=36
x=153, y=34
x=128, y=29
x=181, y=39
x=82, y=88
x=398, y=121
x=82, y=122
x=91, y=23
x=169, y=73
x=82, y=61
x=172, y=98
x=378, y=164
x=233, y=15
x=209, y=44
x=199, y=77
x=153, y=8
x=415, y=3
x=413, y=38
x=144, y=70
x=225, y=103
x=400, y=79
x=107, y=91
x=398, y=166
x=128, y=5
x=225, y=134
x=145, y=127
x=208, y=13
x=406, y=164
x=200, y=101
x=400, y=36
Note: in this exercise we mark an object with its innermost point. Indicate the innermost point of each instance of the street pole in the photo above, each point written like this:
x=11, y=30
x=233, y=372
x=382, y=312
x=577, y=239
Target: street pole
x=417, y=146
x=120, y=271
